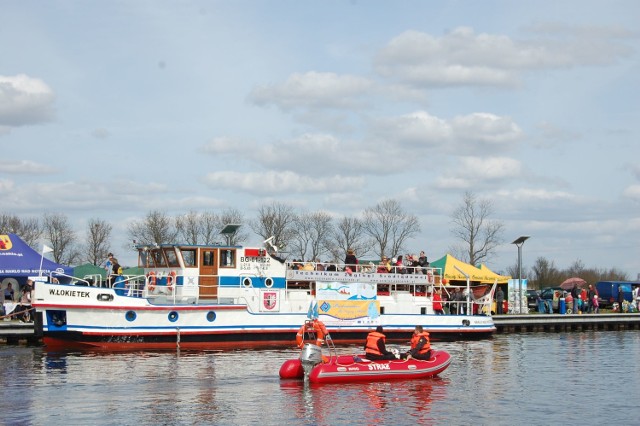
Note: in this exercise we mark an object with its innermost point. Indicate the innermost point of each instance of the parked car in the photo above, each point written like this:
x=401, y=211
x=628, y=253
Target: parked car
x=554, y=294
x=532, y=298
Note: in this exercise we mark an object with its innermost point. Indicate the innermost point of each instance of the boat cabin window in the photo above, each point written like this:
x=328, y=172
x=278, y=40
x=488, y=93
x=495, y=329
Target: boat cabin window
x=189, y=257
x=227, y=258
x=172, y=259
x=143, y=259
x=208, y=258
x=158, y=259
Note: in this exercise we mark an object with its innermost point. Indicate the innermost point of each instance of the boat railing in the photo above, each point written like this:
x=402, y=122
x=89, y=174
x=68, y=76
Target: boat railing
x=368, y=268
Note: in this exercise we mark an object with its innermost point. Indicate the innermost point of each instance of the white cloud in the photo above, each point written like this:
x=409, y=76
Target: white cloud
x=632, y=192
x=464, y=57
x=472, y=133
x=24, y=101
x=26, y=167
x=269, y=183
x=314, y=90
x=474, y=172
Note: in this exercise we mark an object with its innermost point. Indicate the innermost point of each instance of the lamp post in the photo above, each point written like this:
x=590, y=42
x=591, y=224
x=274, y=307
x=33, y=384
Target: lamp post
x=519, y=242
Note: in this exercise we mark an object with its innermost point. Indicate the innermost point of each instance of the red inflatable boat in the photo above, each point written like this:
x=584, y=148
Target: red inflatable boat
x=353, y=368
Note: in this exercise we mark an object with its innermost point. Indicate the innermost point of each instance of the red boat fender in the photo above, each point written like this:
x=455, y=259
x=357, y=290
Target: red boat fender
x=292, y=369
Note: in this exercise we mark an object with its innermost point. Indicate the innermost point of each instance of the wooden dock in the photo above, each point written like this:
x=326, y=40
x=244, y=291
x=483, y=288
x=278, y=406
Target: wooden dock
x=564, y=323
x=15, y=332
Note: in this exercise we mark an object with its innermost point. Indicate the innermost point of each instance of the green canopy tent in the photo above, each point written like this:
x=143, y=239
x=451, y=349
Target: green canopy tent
x=89, y=271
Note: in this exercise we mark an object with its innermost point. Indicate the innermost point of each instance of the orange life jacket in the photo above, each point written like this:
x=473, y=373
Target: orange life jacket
x=416, y=338
x=371, y=347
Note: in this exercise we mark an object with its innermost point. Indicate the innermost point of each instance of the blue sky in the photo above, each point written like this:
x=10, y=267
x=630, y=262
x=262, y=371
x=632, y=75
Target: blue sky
x=112, y=109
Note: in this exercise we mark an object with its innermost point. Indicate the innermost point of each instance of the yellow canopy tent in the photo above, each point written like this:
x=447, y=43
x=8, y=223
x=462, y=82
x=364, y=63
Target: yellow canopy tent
x=448, y=264
x=489, y=277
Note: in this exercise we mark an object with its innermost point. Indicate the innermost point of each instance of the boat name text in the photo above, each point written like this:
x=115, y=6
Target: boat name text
x=379, y=367
x=69, y=293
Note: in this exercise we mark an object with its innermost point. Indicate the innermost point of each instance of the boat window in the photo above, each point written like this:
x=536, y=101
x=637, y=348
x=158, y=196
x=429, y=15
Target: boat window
x=189, y=257
x=158, y=258
x=208, y=258
x=143, y=259
x=227, y=258
x=171, y=257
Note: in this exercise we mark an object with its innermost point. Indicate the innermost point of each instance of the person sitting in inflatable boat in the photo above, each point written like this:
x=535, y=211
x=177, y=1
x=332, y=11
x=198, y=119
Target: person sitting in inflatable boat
x=375, y=348
x=420, y=345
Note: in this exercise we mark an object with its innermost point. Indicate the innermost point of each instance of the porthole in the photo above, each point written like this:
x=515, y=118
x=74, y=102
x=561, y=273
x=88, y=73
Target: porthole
x=130, y=316
x=247, y=282
x=268, y=282
x=173, y=316
x=211, y=316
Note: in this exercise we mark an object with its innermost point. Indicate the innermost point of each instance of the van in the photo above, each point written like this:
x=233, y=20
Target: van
x=608, y=292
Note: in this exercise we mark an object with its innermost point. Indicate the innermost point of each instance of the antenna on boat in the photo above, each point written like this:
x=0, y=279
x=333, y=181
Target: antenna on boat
x=268, y=241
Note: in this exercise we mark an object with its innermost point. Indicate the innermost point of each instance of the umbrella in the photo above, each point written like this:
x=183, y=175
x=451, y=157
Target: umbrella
x=570, y=282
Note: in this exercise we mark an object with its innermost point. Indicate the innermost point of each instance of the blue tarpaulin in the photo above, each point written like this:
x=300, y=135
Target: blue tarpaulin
x=17, y=259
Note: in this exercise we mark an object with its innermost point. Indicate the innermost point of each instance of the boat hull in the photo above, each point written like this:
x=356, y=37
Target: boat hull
x=349, y=368
x=97, y=318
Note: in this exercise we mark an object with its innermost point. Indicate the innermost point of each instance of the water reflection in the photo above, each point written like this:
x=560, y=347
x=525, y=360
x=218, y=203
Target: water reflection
x=510, y=379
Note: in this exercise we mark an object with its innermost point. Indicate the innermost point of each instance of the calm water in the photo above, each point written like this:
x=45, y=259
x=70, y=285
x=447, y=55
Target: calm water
x=536, y=379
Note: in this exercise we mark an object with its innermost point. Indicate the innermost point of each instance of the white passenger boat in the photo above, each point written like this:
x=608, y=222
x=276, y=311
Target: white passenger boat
x=221, y=296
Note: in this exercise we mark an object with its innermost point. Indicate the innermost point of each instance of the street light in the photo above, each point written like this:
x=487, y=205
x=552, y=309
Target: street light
x=519, y=242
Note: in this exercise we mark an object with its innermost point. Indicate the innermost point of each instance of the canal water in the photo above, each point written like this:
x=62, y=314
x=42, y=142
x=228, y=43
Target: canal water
x=585, y=378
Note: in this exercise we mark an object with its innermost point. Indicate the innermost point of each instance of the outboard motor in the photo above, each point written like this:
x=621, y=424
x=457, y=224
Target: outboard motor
x=310, y=357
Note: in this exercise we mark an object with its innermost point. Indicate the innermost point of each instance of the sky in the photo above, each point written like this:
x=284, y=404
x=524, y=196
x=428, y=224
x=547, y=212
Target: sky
x=112, y=109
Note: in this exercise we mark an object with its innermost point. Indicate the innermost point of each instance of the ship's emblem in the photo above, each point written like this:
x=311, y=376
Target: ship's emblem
x=270, y=299
x=5, y=242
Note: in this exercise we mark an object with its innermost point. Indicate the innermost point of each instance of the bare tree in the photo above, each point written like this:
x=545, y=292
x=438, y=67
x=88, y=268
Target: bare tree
x=156, y=228
x=472, y=225
x=189, y=227
x=59, y=233
x=349, y=234
x=210, y=228
x=576, y=269
x=29, y=230
x=312, y=234
x=97, y=244
x=275, y=220
x=545, y=273
x=389, y=226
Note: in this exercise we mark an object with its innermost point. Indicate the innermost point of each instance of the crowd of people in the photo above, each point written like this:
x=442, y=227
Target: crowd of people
x=402, y=264
x=23, y=310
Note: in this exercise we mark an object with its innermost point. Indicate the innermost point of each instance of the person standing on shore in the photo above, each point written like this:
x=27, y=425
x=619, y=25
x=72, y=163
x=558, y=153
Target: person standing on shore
x=499, y=301
x=620, y=298
x=575, y=294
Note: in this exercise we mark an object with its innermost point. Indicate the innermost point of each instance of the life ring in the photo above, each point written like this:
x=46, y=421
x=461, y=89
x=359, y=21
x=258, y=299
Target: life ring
x=152, y=281
x=171, y=281
x=315, y=326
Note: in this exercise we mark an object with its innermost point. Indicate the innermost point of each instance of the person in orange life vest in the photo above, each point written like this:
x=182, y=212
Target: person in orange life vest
x=420, y=345
x=437, y=303
x=375, y=348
